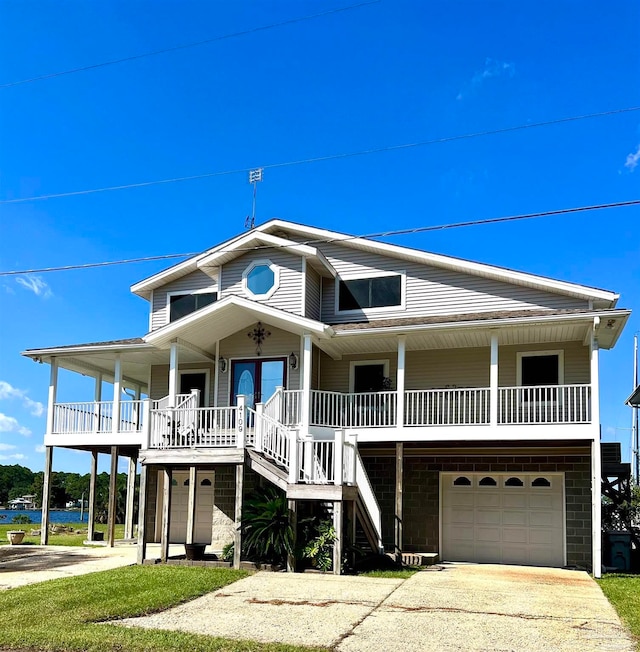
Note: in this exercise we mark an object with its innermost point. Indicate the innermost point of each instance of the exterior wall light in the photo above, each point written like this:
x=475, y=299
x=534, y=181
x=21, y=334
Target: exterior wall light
x=222, y=365
x=293, y=360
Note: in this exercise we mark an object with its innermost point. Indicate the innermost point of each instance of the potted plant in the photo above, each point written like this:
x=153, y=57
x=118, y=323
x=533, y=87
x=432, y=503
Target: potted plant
x=15, y=537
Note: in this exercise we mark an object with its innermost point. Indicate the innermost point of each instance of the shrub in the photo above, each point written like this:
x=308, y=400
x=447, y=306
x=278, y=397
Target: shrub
x=22, y=519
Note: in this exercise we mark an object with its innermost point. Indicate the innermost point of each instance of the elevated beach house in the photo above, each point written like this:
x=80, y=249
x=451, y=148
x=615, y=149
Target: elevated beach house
x=437, y=405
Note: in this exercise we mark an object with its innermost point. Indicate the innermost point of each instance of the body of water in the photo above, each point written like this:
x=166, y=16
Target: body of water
x=55, y=516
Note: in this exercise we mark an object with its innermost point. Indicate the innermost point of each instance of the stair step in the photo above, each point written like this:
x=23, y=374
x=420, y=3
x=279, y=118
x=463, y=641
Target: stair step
x=419, y=558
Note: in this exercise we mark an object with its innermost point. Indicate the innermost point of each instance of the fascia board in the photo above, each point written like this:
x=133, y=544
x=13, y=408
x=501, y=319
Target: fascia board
x=450, y=262
x=172, y=330
x=80, y=349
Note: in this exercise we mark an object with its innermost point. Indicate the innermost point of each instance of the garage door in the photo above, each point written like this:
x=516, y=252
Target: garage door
x=180, y=507
x=503, y=518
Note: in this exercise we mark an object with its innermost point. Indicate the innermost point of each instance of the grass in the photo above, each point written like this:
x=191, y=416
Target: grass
x=63, y=615
x=67, y=539
x=400, y=574
x=623, y=592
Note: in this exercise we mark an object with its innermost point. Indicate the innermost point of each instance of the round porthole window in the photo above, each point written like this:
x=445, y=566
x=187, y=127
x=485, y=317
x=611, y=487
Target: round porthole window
x=260, y=279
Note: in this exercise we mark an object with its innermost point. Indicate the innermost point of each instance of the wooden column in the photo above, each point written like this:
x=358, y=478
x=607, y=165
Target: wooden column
x=191, y=509
x=402, y=345
x=131, y=495
x=237, y=543
x=111, y=518
x=117, y=396
x=142, y=514
x=293, y=523
x=337, y=544
x=91, y=522
x=46, y=495
x=167, y=478
x=493, y=382
x=398, y=507
x=173, y=373
x=596, y=470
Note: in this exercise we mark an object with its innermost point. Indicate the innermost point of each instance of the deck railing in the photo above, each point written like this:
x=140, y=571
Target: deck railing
x=545, y=404
x=361, y=410
x=271, y=437
x=447, y=407
x=189, y=427
x=96, y=417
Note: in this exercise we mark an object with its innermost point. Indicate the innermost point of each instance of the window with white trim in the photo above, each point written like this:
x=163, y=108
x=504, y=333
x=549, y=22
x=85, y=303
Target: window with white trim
x=535, y=368
x=181, y=305
x=260, y=279
x=378, y=291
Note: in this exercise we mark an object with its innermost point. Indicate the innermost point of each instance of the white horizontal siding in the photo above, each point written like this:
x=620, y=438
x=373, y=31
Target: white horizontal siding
x=189, y=283
x=288, y=296
x=240, y=346
x=312, y=297
x=431, y=290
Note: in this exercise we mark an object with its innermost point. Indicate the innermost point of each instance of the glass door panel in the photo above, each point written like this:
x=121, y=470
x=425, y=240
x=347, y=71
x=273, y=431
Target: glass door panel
x=256, y=379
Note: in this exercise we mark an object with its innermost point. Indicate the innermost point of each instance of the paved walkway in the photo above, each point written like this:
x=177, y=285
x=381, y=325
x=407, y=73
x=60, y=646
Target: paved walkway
x=27, y=564
x=461, y=607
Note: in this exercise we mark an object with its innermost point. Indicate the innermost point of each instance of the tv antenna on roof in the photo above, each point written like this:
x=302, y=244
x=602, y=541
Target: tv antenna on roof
x=254, y=177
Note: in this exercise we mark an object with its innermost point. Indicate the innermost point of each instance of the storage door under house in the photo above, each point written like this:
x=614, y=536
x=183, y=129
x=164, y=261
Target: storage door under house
x=503, y=518
x=180, y=507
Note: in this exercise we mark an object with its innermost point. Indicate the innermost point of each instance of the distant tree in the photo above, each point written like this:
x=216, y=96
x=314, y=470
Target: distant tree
x=14, y=477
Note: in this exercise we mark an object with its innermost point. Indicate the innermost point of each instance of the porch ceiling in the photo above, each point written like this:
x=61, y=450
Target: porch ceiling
x=454, y=338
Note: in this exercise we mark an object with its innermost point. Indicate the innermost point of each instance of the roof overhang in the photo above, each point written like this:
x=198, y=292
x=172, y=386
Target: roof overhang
x=634, y=399
x=256, y=240
x=600, y=298
x=223, y=318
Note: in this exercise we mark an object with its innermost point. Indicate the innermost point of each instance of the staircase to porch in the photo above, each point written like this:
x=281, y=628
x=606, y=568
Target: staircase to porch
x=274, y=445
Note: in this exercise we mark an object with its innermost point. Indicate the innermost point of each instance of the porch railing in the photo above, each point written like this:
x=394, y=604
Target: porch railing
x=271, y=437
x=545, y=404
x=96, y=417
x=446, y=407
x=361, y=410
x=194, y=427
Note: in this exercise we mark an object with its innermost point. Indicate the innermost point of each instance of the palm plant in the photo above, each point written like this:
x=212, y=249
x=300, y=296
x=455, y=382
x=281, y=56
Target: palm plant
x=267, y=534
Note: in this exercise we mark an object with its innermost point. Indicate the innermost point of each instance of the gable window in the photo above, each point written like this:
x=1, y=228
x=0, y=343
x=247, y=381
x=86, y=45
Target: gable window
x=375, y=292
x=181, y=305
x=260, y=279
x=537, y=368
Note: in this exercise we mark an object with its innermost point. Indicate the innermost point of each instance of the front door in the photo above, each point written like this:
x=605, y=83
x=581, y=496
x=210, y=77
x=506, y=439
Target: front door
x=198, y=380
x=257, y=379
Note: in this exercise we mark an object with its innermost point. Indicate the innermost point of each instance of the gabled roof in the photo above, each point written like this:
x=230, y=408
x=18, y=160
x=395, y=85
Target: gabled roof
x=209, y=261
x=634, y=399
x=601, y=298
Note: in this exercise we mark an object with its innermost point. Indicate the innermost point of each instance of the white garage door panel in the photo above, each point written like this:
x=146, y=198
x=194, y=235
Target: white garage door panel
x=503, y=523
x=180, y=507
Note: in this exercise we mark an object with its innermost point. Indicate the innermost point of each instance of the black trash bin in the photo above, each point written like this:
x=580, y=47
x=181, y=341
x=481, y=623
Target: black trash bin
x=618, y=551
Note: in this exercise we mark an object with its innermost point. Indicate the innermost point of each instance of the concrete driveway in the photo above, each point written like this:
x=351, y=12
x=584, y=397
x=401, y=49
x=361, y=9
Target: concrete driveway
x=459, y=607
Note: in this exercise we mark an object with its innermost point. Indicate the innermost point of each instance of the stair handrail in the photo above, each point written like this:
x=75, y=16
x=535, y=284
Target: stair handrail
x=274, y=437
x=369, y=500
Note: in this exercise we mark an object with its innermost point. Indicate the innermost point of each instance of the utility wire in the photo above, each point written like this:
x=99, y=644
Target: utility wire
x=253, y=30
x=330, y=157
x=382, y=234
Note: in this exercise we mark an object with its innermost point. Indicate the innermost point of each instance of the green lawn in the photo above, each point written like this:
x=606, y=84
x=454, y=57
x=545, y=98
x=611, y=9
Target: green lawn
x=623, y=591
x=62, y=615
x=69, y=539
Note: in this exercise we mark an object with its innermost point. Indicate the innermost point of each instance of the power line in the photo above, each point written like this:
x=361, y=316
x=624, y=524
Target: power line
x=330, y=157
x=382, y=234
x=185, y=46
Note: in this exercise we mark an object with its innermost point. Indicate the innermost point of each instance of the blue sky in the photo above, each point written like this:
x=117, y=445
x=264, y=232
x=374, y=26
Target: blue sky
x=382, y=74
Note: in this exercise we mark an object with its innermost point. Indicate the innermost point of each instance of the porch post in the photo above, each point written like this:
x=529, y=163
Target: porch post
x=306, y=383
x=293, y=523
x=191, y=508
x=337, y=544
x=117, y=393
x=493, y=382
x=216, y=375
x=166, y=514
x=131, y=493
x=237, y=542
x=173, y=374
x=111, y=518
x=398, y=503
x=46, y=495
x=142, y=515
x=402, y=346
x=92, y=495
x=97, y=397
x=53, y=391
x=338, y=472
x=596, y=471
x=241, y=420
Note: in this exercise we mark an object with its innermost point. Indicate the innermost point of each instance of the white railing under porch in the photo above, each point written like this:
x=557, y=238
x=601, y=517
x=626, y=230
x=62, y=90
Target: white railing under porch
x=549, y=404
x=96, y=417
